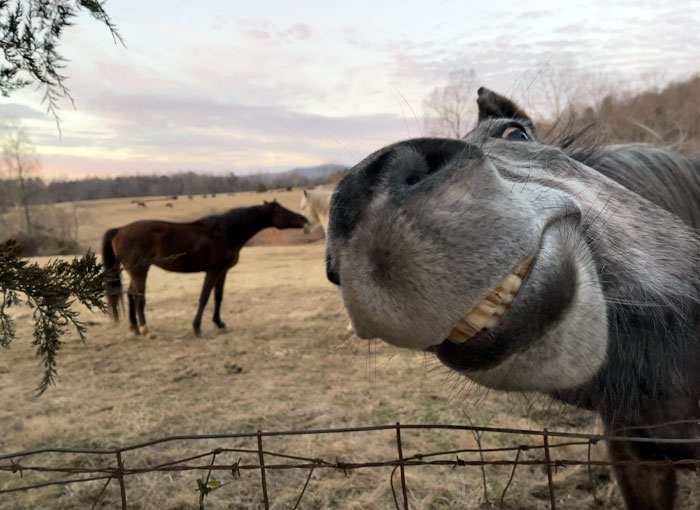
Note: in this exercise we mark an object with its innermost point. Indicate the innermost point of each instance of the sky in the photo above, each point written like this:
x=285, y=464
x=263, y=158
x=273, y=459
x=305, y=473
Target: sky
x=250, y=87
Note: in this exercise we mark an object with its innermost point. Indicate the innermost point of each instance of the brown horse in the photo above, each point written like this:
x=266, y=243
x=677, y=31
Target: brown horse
x=210, y=244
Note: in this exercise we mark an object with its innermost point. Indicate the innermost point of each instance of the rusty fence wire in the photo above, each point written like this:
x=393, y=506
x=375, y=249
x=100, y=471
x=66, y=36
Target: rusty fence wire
x=543, y=442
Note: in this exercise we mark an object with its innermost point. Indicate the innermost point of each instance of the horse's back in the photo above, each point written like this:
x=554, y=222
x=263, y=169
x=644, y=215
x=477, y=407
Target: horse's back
x=145, y=232
x=180, y=247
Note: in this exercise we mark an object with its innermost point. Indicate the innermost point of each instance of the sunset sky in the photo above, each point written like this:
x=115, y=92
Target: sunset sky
x=270, y=85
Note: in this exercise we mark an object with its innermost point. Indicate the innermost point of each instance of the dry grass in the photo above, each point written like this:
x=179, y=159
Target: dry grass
x=286, y=362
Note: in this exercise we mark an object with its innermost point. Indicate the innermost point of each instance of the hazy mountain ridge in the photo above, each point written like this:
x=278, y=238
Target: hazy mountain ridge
x=309, y=172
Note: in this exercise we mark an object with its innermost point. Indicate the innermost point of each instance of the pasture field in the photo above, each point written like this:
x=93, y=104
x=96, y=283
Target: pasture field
x=285, y=362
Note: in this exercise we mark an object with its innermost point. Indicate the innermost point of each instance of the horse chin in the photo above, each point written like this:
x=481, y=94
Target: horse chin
x=557, y=319
x=294, y=224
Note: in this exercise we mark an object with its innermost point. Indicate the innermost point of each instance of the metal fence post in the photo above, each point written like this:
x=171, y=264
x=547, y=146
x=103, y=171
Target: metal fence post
x=552, y=503
x=401, y=467
x=120, y=476
x=262, y=471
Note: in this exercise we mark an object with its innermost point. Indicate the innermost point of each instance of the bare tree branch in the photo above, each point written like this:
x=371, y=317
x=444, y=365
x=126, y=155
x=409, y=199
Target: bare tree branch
x=451, y=110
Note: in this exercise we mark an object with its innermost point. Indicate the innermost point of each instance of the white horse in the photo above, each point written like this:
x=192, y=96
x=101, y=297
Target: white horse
x=314, y=206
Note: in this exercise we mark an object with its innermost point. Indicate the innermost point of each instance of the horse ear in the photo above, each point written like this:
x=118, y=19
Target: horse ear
x=495, y=106
x=265, y=202
x=305, y=193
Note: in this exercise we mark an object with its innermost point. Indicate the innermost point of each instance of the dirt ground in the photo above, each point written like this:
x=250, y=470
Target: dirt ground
x=286, y=362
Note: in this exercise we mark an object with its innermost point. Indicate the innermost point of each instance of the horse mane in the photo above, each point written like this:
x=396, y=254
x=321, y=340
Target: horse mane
x=583, y=144
x=661, y=175
x=236, y=217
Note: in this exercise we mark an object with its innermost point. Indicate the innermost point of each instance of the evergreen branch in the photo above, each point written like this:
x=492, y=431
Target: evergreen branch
x=30, y=31
x=51, y=291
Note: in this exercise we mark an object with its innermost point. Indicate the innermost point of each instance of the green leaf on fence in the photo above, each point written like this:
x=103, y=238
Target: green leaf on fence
x=203, y=489
x=214, y=484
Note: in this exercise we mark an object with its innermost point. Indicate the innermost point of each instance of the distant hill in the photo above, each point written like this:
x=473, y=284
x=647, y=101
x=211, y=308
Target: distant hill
x=312, y=173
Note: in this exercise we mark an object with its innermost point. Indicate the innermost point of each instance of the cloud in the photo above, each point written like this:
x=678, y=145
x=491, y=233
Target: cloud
x=254, y=86
x=298, y=31
x=255, y=29
x=19, y=111
x=263, y=29
x=534, y=15
x=154, y=131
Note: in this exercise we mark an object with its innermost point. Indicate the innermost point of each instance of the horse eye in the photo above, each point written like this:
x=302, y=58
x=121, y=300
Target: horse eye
x=515, y=133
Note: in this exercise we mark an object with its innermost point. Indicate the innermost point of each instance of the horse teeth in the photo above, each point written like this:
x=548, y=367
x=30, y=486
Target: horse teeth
x=463, y=327
x=476, y=319
x=490, y=308
x=511, y=283
x=488, y=312
x=462, y=332
x=493, y=298
x=505, y=297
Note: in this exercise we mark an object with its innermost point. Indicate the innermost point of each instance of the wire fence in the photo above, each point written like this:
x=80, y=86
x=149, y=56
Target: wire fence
x=545, y=444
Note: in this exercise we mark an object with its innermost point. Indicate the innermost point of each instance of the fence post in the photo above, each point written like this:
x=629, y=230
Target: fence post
x=262, y=471
x=590, y=474
x=547, y=459
x=403, y=475
x=120, y=475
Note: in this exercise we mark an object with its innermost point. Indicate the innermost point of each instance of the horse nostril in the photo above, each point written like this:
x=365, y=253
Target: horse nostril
x=332, y=270
x=333, y=276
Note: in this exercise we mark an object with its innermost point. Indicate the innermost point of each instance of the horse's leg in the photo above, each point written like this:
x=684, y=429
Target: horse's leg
x=643, y=487
x=133, y=325
x=654, y=487
x=209, y=281
x=140, y=280
x=132, y=294
x=218, y=296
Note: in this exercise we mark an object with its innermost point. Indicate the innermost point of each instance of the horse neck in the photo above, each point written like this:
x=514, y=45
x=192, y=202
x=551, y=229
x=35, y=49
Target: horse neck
x=321, y=203
x=247, y=223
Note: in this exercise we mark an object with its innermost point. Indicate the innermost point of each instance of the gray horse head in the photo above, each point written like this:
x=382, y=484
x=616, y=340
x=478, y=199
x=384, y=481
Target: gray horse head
x=427, y=237
x=525, y=266
x=566, y=269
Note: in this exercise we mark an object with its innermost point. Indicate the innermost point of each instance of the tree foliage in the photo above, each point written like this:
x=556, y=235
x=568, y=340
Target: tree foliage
x=30, y=31
x=51, y=291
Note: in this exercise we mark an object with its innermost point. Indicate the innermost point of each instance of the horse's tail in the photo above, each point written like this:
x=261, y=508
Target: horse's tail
x=113, y=281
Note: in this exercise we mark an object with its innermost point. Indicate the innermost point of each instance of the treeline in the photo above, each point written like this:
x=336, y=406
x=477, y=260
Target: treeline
x=670, y=115
x=188, y=183
x=39, y=191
